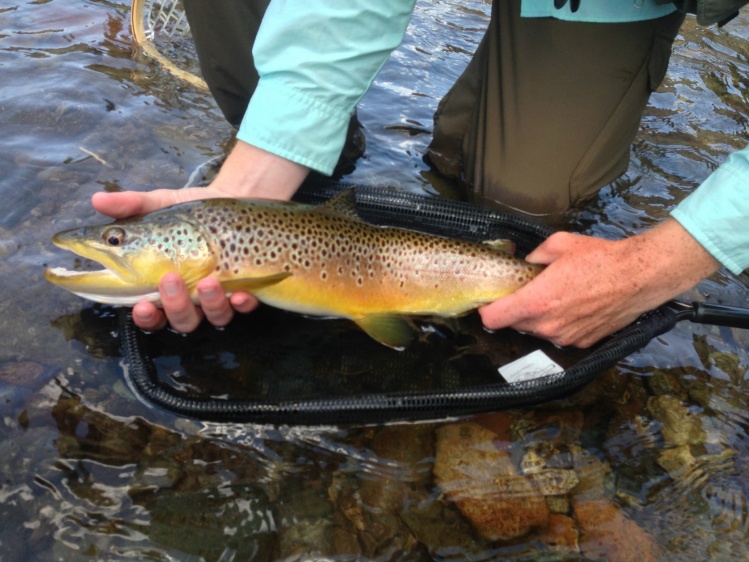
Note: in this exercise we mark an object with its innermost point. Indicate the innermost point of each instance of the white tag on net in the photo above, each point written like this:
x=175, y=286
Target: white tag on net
x=532, y=366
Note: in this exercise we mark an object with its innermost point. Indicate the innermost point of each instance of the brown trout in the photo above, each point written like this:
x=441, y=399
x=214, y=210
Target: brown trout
x=316, y=260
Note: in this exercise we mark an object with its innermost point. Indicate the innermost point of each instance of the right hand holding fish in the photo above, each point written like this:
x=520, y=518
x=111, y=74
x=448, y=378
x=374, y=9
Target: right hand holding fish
x=248, y=172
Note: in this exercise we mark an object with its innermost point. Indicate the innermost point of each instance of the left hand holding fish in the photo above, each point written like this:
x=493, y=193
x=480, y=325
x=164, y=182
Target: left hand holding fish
x=180, y=312
x=593, y=287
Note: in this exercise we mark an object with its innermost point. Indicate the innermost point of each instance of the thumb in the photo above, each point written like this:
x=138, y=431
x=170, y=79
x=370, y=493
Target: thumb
x=128, y=203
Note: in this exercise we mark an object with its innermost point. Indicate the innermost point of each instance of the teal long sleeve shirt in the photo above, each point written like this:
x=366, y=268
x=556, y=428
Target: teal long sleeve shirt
x=316, y=59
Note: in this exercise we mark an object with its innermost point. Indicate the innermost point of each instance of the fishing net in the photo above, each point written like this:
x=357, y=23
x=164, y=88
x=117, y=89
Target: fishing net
x=276, y=367
x=163, y=33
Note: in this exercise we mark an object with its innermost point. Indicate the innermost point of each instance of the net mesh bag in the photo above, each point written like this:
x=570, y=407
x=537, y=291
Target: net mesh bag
x=277, y=367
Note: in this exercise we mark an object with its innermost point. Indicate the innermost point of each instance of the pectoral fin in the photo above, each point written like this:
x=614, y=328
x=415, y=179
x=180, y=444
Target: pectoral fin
x=392, y=331
x=250, y=284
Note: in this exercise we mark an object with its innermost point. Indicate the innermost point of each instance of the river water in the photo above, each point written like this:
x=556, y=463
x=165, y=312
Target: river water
x=649, y=462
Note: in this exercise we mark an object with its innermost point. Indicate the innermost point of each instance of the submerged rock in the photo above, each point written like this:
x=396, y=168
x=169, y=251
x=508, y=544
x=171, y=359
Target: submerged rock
x=551, y=471
x=561, y=534
x=608, y=534
x=370, y=504
x=27, y=374
x=483, y=483
x=680, y=425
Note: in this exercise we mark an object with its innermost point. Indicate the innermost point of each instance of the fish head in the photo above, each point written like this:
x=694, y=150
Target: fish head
x=135, y=254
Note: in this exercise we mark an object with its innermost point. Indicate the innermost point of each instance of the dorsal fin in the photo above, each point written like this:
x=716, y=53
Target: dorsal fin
x=343, y=204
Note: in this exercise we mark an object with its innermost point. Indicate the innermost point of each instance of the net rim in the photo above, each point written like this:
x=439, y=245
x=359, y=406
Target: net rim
x=406, y=405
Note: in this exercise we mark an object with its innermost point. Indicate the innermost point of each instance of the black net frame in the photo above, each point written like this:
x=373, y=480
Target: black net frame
x=437, y=216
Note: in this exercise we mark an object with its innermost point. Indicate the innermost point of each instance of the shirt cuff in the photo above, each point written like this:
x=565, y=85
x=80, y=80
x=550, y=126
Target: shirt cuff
x=295, y=126
x=717, y=213
x=593, y=11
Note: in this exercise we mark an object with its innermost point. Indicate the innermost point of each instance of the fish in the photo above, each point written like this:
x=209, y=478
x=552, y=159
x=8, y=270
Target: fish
x=317, y=260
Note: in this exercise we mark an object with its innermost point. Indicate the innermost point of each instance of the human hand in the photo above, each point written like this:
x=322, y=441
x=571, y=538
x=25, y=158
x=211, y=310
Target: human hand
x=248, y=172
x=184, y=316
x=593, y=287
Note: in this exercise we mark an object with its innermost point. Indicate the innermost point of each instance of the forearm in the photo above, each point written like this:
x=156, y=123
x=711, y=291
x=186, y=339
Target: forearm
x=316, y=60
x=669, y=261
x=251, y=172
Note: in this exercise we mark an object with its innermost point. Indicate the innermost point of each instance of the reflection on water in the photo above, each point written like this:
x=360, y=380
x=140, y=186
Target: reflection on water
x=649, y=462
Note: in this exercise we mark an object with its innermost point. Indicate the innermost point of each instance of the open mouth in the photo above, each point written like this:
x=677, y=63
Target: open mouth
x=102, y=286
x=106, y=278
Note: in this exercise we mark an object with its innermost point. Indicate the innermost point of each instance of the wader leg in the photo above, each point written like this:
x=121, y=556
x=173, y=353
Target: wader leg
x=545, y=113
x=224, y=33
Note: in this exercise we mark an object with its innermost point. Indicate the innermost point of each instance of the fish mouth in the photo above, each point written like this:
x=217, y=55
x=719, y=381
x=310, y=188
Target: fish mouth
x=102, y=286
x=117, y=283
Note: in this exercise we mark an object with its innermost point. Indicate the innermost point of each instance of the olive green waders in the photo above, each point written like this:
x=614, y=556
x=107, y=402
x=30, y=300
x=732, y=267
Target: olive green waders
x=546, y=111
x=543, y=116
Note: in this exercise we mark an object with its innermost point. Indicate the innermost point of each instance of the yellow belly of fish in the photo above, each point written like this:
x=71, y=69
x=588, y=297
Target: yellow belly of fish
x=347, y=296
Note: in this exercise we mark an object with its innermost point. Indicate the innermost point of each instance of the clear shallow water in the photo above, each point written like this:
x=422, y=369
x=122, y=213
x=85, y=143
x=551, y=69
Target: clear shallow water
x=651, y=460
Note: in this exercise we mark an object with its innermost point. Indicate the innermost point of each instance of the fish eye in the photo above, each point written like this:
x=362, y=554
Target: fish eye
x=114, y=236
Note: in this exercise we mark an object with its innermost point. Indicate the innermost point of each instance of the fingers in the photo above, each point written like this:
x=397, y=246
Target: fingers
x=147, y=317
x=182, y=314
x=243, y=302
x=525, y=312
x=179, y=309
x=216, y=307
x=513, y=312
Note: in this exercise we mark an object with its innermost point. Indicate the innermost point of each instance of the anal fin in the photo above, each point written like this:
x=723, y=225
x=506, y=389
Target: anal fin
x=390, y=330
